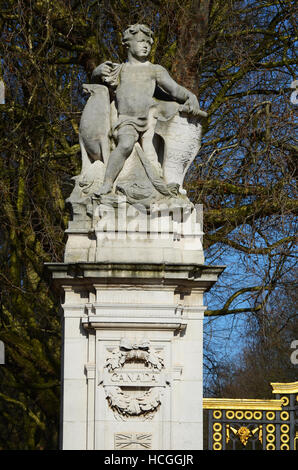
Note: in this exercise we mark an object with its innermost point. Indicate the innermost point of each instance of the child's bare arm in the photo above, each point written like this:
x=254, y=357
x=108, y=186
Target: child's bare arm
x=181, y=94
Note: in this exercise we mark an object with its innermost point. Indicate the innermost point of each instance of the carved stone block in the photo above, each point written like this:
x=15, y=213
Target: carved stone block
x=133, y=441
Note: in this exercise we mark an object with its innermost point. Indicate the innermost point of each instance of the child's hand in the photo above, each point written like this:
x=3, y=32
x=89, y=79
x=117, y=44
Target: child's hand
x=191, y=106
x=107, y=68
x=103, y=70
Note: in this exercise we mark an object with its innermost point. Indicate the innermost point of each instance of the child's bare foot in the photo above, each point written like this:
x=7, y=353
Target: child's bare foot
x=105, y=188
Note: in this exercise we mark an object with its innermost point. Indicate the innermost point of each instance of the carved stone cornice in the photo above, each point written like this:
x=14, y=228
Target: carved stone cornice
x=190, y=275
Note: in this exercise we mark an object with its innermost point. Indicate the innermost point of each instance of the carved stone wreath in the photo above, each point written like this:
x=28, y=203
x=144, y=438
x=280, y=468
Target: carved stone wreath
x=143, y=403
x=126, y=405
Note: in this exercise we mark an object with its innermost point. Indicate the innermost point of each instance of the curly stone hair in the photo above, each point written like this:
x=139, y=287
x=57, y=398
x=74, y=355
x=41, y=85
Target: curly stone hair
x=134, y=29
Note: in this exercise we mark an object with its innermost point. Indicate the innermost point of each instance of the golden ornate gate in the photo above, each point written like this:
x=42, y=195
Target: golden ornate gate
x=255, y=424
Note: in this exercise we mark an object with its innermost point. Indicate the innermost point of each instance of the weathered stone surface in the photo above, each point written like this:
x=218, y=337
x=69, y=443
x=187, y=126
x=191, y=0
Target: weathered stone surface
x=124, y=234
x=182, y=137
x=139, y=132
x=95, y=125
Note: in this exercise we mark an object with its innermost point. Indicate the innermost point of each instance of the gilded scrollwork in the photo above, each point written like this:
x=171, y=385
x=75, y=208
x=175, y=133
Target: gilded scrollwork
x=243, y=433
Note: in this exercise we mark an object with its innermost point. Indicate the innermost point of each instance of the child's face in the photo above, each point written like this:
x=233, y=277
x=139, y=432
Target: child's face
x=140, y=46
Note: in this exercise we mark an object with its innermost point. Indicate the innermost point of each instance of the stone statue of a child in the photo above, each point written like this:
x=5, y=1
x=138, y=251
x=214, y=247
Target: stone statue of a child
x=136, y=81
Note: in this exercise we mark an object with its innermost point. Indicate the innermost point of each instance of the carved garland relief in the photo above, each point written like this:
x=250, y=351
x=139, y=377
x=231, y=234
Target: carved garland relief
x=133, y=380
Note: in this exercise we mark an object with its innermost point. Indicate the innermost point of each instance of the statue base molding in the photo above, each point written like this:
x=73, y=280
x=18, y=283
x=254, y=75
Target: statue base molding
x=130, y=233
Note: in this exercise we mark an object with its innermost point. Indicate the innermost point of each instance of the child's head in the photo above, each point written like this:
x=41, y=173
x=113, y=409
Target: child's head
x=138, y=38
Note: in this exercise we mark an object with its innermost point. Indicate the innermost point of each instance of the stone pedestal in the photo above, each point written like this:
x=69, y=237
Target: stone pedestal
x=132, y=354
x=133, y=312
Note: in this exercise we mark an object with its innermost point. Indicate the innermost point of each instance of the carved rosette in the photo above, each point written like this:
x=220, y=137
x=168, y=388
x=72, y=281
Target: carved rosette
x=133, y=380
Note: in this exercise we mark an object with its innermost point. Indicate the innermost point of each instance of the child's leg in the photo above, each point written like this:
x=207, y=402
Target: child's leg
x=116, y=162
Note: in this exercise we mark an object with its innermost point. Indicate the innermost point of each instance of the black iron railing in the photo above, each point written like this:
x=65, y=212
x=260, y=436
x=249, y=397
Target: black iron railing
x=240, y=424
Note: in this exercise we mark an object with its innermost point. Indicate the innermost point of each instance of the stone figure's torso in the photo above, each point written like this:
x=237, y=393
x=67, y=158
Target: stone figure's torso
x=134, y=93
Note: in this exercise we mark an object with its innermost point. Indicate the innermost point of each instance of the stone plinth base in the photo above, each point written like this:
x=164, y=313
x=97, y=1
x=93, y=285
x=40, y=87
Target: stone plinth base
x=132, y=354
x=131, y=234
